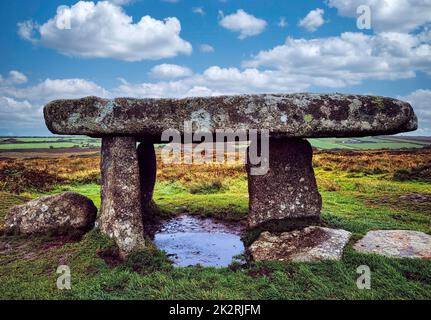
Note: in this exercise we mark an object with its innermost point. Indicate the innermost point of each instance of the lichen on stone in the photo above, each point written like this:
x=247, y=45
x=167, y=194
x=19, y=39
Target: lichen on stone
x=308, y=118
x=379, y=102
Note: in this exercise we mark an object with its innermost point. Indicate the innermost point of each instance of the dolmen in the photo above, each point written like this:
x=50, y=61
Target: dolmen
x=285, y=191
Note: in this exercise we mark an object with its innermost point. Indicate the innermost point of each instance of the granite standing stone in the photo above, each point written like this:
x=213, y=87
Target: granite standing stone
x=147, y=172
x=289, y=189
x=121, y=216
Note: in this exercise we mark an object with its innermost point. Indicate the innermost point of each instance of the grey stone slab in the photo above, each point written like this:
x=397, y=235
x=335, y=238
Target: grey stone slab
x=284, y=115
x=309, y=244
x=396, y=243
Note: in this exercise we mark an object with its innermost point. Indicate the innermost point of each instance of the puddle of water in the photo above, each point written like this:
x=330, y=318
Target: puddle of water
x=191, y=240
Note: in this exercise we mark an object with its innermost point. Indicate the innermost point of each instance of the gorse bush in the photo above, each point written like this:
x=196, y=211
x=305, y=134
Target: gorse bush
x=420, y=173
x=372, y=162
x=18, y=178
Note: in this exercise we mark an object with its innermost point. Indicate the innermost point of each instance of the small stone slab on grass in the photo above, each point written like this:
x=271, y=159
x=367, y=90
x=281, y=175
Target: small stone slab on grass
x=310, y=244
x=396, y=243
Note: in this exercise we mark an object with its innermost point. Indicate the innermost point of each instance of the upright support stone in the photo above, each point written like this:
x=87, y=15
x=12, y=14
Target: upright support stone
x=148, y=172
x=289, y=189
x=121, y=198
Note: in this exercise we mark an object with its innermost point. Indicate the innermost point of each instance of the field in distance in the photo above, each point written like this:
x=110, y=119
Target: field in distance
x=83, y=143
x=371, y=143
x=27, y=143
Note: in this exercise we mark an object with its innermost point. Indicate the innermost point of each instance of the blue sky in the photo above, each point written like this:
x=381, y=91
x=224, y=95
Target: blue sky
x=208, y=48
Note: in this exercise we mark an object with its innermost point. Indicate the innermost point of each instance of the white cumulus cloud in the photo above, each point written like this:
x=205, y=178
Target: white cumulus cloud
x=13, y=77
x=349, y=59
x=389, y=15
x=11, y=105
x=166, y=71
x=21, y=105
x=421, y=103
x=51, y=89
x=215, y=81
x=19, y=114
x=245, y=24
x=104, y=30
x=313, y=20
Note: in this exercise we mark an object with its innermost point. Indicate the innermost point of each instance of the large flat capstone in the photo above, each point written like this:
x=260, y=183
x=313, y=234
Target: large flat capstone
x=284, y=115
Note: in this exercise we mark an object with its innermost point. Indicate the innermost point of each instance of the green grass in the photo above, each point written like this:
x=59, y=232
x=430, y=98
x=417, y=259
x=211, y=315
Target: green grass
x=368, y=143
x=326, y=144
x=57, y=139
x=359, y=203
x=92, y=278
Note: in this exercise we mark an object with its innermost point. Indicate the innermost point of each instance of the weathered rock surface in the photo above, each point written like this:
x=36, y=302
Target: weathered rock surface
x=396, y=243
x=310, y=244
x=120, y=216
x=284, y=115
x=289, y=189
x=148, y=171
x=59, y=214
